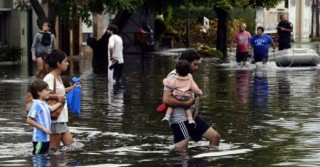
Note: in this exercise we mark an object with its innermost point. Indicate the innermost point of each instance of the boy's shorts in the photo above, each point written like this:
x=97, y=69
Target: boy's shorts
x=40, y=147
x=183, y=130
x=59, y=127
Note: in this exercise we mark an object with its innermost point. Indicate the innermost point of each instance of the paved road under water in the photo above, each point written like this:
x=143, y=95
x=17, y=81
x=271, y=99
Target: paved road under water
x=266, y=117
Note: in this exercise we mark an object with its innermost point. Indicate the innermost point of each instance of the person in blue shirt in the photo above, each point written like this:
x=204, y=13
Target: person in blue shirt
x=39, y=116
x=260, y=43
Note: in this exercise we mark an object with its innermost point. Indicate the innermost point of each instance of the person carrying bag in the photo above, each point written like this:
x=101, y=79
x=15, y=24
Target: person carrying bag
x=58, y=61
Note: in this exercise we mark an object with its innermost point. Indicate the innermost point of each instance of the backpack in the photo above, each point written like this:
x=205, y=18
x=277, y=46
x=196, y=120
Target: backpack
x=46, y=39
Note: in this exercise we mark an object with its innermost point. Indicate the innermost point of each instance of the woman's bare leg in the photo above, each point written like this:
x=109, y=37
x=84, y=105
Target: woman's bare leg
x=55, y=140
x=67, y=138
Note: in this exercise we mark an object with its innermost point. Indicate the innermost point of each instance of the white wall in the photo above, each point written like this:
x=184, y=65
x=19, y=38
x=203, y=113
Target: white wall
x=259, y=17
x=292, y=16
x=305, y=16
x=17, y=31
x=306, y=25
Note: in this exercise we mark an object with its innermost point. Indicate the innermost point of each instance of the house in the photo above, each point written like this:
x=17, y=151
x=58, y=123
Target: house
x=13, y=26
x=299, y=14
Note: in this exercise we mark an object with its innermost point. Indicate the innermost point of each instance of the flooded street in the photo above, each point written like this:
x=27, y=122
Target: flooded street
x=266, y=117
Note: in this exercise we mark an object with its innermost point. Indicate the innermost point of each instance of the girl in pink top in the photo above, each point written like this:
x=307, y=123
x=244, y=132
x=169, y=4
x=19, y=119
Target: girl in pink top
x=184, y=88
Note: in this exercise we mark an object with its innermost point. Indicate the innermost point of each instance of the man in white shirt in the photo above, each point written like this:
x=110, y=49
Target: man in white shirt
x=115, y=54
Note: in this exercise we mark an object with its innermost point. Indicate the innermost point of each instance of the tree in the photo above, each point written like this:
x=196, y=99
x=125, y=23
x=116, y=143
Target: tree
x=223, y=9
x=71, y=12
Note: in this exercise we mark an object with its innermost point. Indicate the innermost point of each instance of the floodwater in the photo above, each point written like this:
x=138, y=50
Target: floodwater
x=266, y=117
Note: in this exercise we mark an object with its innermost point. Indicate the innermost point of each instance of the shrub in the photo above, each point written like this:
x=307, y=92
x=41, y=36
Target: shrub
x=10, y=53
x=204, y=43
x=315, y=39
x=207, y=51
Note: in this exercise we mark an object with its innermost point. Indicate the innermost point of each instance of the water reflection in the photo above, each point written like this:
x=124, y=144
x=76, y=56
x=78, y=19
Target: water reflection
x=284, y=84
x=115, y=101
x=120, y=127
x=184, y=159
x=242, y=88
x=260, y=91
x=40, y=160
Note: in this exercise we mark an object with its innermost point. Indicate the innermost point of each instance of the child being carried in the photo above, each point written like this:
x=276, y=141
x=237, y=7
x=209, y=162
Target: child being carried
x=183, y=87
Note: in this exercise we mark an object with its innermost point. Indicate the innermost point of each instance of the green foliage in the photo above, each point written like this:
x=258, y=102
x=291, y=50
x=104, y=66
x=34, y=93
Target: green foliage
x=168, y=15
x=10, y=53
x=161, y=6
x=228, y=5
x=315, y=39
x=23, y=5
x=71, y=11
x=264, y=3
x=245, y=15
x=237, y=16
x=207, y=51
x=159, y=28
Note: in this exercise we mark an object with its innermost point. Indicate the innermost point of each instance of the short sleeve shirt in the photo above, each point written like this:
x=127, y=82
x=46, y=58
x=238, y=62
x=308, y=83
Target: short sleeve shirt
x=242, y=40
x=287, y=25
x=40, y=112
x=116, y=43
x=261, y=44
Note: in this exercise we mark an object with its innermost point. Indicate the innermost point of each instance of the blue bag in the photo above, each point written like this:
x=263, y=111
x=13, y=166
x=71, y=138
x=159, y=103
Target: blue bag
x=74, y=97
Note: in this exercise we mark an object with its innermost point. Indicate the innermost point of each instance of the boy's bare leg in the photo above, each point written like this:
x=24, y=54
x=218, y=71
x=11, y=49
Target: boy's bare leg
x=40, y=68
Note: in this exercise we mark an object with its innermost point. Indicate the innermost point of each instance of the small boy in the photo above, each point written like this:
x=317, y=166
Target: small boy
x=39, y=116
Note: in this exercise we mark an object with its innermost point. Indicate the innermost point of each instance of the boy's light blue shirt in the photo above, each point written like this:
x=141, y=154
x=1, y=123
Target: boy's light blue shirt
x=40, y=112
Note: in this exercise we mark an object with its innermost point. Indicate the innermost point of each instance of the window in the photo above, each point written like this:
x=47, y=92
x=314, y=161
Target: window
x=286, y=4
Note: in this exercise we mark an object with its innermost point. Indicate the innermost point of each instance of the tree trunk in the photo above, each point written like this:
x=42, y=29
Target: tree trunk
x=100, y=51
x=52, y=14
x=121, y=19
x=99, y=47
x=317, y=18
x=39, y=11
x=222, y=32
x=97, y=25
